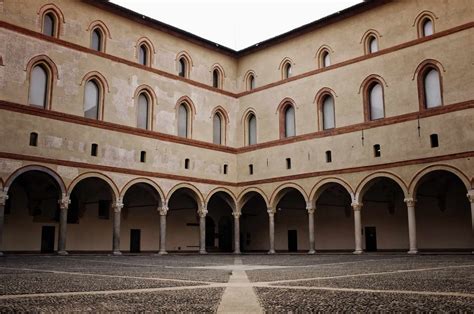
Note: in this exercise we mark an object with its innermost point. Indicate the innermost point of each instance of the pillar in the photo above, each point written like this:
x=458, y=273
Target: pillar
x=470, y=196
x=271, y=227
x=411, y=225
x=357, y=227
x=310, y=208
x=236, y=215
x=202, y=230
x=117, y=206
x=3, y=200
x=163, y=210
x=63, y=208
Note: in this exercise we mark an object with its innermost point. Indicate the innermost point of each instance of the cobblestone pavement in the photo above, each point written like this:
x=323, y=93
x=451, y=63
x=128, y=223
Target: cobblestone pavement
x=246, y=283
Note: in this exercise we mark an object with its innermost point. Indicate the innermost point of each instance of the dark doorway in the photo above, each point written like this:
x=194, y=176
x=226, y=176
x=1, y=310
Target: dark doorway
x=47, y=239
x=135, y=240
x=225, y=234
x=370, y=239
x=210, y=232
x=292, y=241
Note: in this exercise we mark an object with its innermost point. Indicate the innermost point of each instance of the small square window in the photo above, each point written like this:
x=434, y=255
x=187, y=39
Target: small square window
x=377, y=150
x=33, y=139
x=186, y=163
x=225, y=169
x=251, y=169
x=142, y=156
x=288, y=163
x=94, y=149
x=434, y=140
x=328, y=156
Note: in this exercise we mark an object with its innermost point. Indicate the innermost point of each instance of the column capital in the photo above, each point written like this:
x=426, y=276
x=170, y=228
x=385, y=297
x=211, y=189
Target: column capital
x=163, y=210
x=271, y=211
x=310, y=207
x=3, y=197
x=202, y=213
x=236, y=214
x=410, y=201
x=356, y=206
x=118, y=205
x=64, y=202
x=470, y=196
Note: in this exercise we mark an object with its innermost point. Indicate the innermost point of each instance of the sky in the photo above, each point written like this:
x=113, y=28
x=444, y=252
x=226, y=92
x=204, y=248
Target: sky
x=236, y=24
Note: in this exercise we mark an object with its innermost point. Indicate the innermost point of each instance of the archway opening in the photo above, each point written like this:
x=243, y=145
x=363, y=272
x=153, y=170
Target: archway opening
x=220, y=238
x=140, y=219
x=291, y=222
x=333, y=219
x=90, y=216
x=254, y=223
x=182, y=231
x=32, y=213
x=443, y=218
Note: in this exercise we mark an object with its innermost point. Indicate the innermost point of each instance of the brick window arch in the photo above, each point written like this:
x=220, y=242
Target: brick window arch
x=287, y=118
x=430, y=84
x=41, y=72
x=373, y=97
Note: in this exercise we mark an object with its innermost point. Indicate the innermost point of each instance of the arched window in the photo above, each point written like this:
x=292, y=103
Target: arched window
x=287, y=70
x=328, y=112
x=92, y=99
x=251, y=129
x=372, y=44
x=143, y=111
x=39, y=86
x=217, y=129
x=97, y=39
x=216, y=78
x=251, y=82
x=290, y=121
x=427, y=27
x=325, y=59
x=431, y=88
x=50, y=24
x=376, y=104
x=143, y=55
x=183, y=118
x=182, y=67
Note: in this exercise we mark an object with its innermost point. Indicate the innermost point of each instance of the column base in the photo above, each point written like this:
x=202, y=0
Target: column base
x=63, y=253
x=357, y=252
x=311, y=252
x=237, y=252
x=202, y=252
x=162, y=253
x=271, y=252
x=117, y=253
x=413, y=252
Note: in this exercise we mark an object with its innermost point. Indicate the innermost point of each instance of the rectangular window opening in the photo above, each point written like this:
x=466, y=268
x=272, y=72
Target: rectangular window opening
x=328, y=156
x=33, y=139
x=142, y=156
x=186, y=163
x=94, y=149
x=225, y=169
x=251, y=169
x=377, y=150
x=434, y=140
x=288, y=163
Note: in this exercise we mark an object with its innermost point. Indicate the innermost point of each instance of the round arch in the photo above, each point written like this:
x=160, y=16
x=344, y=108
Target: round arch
x=323, y=184
x=197, y=194
x=415, y=181
x=103, y=177
x=223, y=190
x=149, y=182
x=283, y=189
x=241, y=197
x=43, y=169
x=369, y=180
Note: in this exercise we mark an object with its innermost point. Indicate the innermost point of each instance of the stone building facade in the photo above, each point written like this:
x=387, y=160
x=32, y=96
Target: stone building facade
x=121, y=133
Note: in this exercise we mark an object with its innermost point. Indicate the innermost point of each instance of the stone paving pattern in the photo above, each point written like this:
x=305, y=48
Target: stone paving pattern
x=278, y=283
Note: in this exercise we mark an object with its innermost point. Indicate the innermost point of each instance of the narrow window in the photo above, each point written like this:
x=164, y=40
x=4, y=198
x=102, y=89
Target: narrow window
x=328, y=113
x=215, y=78
x=217, y=129
x=287, y=71
x=96, y=41
x=432, y=89
x=434, y=140
x=94, y=148
x=328, y=156
x=186, y=163
x=376, y=102
x=143, y=108
x=182, y=67
x=290, y=121
x=377, y=151
x=325, y=59
x=39, y=82
x=143, y=55
x=251, y=169
x=91, y=100
x=251, y=82
x=33, y=139
x=142, y=156
x=288, y=163
x=373, y=44
x=183, y=120
x=49, y=24
x=225, y=169
x=427, y=27
x=252, y=129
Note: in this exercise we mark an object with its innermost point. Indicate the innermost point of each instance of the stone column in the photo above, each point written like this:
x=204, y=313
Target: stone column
x=117, y=206
x=202, y=230
x=3, y=200
x=163, y=210
x=470, y=196
x=271, y=229
x=63, y=208
x=357, y=227
x=310, y=208
x=411, y=225
x=236, y=215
